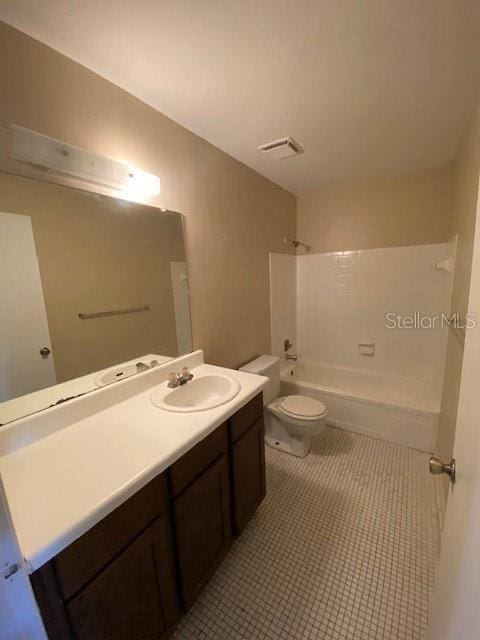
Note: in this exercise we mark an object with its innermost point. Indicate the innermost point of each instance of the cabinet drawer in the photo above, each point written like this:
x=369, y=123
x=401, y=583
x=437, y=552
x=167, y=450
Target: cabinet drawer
x=195, y=461
x=245, y=417
x=79, y=562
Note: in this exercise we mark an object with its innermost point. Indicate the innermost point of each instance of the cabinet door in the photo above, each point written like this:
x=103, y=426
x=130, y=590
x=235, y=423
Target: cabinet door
x=134, y=596
x=248, y=470
x=203, y=528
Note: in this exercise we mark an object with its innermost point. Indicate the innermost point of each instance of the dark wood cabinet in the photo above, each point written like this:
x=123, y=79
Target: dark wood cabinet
x=245, y=417
x=90, y=553
x=134, y=597
x=198, y=459
x=203, y=529
x=129, y=576
x=118, y=580
x=248, y=474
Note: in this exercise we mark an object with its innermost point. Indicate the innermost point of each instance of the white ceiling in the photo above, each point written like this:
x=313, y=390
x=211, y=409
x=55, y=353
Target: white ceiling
x=369, y=88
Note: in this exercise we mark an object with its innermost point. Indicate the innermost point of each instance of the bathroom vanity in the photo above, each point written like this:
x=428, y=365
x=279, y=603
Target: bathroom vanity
x=121, y=533
x=119, y=496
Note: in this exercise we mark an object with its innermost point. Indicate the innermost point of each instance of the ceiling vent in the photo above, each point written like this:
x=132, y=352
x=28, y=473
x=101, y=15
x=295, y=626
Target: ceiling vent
x=280, y=149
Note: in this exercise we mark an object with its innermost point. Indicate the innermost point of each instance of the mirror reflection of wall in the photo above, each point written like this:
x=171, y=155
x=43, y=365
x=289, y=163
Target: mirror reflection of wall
x=66, y=252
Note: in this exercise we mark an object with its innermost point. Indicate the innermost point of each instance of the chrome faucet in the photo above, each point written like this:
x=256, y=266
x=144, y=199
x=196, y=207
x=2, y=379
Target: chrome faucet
x=291, y=356
x=177, y=379
x=142, y=366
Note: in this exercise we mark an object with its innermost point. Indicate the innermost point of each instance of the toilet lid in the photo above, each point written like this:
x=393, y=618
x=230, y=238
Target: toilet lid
x=302, y=406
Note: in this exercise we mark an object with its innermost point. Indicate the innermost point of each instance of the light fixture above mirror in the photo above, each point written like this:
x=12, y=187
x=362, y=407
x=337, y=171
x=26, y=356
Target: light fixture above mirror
x=56, y=157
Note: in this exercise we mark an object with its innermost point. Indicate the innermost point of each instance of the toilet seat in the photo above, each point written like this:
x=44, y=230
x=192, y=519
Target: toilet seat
x=302, y=407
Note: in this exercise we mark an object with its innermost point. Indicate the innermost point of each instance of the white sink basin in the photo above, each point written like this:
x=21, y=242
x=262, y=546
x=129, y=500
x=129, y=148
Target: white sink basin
x=113, y=375
x=202, y=393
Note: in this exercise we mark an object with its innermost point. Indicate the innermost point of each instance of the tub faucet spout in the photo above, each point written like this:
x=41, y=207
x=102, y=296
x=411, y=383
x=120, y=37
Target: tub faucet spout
x=291, y=356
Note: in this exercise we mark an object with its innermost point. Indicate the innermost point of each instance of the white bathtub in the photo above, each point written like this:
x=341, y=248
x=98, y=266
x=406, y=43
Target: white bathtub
x=401, y=410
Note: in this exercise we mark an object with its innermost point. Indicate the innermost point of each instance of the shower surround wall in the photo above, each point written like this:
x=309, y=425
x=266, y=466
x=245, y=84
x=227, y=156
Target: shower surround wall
x=283, y=301
x=343, y=298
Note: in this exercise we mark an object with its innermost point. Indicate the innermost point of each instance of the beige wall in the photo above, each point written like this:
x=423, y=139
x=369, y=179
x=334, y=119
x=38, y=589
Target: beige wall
x=97, y=254
x=465, y=193
x=414, y=209
x=234, y=216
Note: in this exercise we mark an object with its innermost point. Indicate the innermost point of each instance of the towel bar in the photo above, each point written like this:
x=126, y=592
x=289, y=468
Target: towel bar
x=113, y=312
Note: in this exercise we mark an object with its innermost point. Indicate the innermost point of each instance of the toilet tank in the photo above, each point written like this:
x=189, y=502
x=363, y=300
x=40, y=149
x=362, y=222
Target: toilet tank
x=268, y=366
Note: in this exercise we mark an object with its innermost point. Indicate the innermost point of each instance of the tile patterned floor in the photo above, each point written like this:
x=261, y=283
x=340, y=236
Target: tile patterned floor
x=343, y=548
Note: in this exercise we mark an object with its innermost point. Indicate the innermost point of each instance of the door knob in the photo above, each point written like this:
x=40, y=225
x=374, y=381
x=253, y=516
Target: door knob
x=438, y=466
x=44, y=352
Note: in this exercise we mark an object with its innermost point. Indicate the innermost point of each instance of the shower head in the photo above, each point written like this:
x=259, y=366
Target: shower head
x=296, y=243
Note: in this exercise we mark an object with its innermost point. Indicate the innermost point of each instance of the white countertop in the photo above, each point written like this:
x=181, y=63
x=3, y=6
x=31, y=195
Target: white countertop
x=63, y=483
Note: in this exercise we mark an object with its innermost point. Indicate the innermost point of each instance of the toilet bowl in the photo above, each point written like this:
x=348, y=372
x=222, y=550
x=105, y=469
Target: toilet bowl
x=291, y=422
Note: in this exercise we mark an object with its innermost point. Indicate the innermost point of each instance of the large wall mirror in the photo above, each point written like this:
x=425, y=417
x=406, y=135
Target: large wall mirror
x=87, y=282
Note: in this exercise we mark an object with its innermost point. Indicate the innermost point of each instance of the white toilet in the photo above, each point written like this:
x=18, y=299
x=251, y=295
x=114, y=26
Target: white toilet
x=290, y=421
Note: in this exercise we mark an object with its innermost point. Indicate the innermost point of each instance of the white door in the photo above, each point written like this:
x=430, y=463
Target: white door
x=456, y=607
x=181, y=303
x=19, y=615
x=23, y=319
